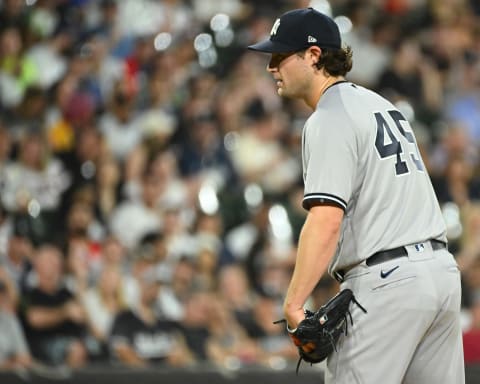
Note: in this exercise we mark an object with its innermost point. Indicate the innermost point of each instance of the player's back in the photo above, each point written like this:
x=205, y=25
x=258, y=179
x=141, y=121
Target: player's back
x=392, y=202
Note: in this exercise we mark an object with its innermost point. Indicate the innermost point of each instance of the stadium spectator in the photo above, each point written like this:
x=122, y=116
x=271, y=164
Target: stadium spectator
x=173, y=295
x=102, y=303
x=14, y=352
x=17, y=71
x=108, y=188
x=55, y=321
x=228, y=343
x=118, y=124
x=138, y=338
x=237, y=295
x=270, y=336
x=143, y=212
x=36, y=181
x=18, y=257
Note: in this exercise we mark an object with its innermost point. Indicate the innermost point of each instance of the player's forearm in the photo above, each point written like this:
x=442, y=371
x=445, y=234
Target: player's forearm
x=316, y=246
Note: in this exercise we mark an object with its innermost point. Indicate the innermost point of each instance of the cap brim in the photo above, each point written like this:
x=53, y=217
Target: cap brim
x=269, y=46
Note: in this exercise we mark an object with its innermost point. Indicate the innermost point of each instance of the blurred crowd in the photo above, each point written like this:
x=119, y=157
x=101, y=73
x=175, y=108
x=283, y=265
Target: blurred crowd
x=150, y=179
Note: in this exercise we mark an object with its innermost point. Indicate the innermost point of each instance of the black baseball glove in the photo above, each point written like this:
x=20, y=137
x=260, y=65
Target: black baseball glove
x=316, y=336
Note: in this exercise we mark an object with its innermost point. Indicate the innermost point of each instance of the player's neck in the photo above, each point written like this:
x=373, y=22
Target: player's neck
x=322, y=85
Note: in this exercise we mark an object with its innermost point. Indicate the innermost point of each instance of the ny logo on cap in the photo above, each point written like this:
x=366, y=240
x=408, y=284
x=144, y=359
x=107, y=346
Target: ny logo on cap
x=275, y=27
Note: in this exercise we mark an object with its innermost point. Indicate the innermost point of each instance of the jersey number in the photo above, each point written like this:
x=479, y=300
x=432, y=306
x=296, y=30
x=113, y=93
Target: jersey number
x=394, y=148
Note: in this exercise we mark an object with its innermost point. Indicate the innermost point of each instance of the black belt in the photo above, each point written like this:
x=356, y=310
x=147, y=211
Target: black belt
x=389, y=254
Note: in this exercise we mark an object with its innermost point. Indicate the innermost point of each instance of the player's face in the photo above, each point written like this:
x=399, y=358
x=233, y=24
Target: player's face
x=288, y=69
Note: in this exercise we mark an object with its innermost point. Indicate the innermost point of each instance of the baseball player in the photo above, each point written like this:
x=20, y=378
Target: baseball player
x=373, y=219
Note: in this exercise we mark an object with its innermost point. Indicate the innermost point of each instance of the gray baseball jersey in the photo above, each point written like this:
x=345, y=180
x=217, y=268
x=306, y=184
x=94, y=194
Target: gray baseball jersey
x=359, y=152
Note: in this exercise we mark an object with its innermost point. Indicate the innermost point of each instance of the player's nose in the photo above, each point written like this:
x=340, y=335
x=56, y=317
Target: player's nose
x=272, y=64
x=271, y=67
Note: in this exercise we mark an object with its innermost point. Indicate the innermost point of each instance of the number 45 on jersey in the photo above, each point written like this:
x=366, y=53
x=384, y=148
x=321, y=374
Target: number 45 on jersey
x=403, y=137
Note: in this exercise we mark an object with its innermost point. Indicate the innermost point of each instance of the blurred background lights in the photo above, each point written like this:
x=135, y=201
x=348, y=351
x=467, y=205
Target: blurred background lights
x=208, y=200
x=30, y=2
x=344, y=24
x=162, y=41
x=253, y=195
x=203, y=42
x=279, y=223
x=207, y=58
x=33, y=208
x=224, y=37
x=219, y=22
x=322, y=6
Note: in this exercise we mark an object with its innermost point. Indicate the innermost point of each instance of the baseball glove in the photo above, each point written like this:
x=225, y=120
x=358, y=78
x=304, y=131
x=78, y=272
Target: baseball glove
x=316, y=336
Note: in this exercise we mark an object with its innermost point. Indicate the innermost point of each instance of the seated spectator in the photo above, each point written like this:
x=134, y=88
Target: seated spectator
x=234, y=290
x=144, y=213
x=153, y=246
x=54, y=319
x=141, y=260
x=108, y=185
x=229, y=344
x=458, y=183
x=17, y=71
x=113, y=253
x=118, y=124
x=195, y=323
x=36, y=179
x=171, y=298
x=412, y=77
x=103, y=302
x=272, y=167
x=271, y=337
x=14, y=351
x=213, y=334
x=203, y=154
x=139, y=338
x=19, y=252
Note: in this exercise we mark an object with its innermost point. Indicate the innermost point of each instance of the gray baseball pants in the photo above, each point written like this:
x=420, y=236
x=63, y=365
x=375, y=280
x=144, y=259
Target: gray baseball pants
x=411, y=333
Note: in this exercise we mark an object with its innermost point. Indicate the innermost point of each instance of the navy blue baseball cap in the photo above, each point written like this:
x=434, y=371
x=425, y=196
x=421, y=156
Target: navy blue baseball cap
x=299, y=29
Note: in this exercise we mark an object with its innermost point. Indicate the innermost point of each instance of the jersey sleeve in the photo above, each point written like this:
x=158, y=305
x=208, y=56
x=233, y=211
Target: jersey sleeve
x=329, y=160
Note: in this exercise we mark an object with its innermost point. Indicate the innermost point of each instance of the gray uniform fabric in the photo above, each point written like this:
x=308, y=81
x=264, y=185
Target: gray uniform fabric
x=342, y=161
x=411, y=333
x=360, y=154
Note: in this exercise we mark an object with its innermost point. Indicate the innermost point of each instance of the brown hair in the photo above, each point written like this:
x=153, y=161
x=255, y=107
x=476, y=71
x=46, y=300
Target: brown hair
x=336, y=62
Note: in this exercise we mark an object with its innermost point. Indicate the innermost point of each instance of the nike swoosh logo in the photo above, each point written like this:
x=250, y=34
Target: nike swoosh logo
x=385, y=274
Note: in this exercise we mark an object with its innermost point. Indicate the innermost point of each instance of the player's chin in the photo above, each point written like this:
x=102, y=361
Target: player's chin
x=281, y=91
